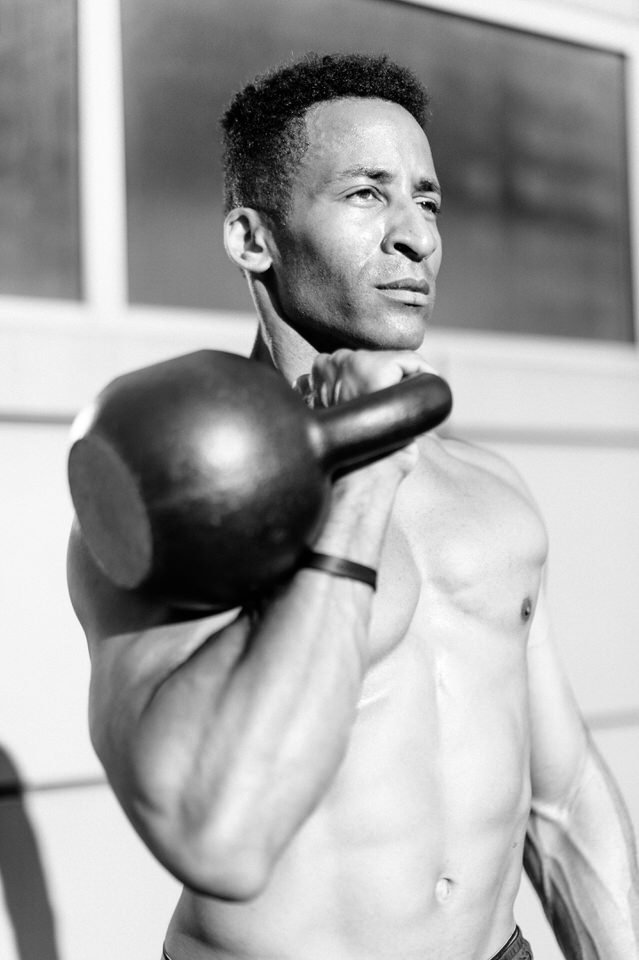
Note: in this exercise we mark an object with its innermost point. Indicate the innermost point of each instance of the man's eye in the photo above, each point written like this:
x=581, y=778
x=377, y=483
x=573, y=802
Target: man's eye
x=365, y=193
x=430, y=206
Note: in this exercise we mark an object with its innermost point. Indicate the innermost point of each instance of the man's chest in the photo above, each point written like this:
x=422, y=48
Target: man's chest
x=463, y=546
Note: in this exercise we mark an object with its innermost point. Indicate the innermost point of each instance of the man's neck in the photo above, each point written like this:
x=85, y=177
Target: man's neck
x=283, y=348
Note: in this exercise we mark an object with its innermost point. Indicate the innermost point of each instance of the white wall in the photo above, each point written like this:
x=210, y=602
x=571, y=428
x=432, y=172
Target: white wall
x=618, y=9
x=567, y=415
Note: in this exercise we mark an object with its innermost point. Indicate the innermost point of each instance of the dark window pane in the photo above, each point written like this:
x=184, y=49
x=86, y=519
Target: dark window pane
x=39, y=229
x=528, y=138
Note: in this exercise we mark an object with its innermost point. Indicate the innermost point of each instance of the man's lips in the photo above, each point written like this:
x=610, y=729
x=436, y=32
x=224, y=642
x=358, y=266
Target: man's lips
x=414, y=293
x=408, y=283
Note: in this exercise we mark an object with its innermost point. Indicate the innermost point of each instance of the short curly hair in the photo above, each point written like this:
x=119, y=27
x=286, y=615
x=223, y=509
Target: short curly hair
x=264, y=130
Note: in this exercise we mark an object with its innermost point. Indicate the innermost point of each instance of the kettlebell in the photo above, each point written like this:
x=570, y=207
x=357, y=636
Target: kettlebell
x=203, y=478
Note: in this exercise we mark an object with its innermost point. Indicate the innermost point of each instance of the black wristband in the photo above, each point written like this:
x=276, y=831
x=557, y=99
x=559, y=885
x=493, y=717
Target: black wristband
x=339, y=567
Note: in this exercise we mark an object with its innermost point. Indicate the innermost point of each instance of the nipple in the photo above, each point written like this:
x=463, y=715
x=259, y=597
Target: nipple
x=442, y=889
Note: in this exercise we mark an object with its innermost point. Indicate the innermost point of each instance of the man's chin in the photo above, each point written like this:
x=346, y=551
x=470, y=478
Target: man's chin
x=396, y=335
x=392, y=332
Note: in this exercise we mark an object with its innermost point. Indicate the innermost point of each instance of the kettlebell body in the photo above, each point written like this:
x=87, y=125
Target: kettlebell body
x=203, y=478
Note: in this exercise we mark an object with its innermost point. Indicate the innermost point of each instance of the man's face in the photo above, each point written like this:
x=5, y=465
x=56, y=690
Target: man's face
x=356, y=261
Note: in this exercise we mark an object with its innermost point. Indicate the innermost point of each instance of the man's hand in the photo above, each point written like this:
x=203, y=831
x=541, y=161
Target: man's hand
x=363, y=498
x=346, y=374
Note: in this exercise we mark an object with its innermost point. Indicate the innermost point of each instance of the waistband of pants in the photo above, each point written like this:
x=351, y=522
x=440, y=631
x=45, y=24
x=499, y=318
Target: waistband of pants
x=517, y=948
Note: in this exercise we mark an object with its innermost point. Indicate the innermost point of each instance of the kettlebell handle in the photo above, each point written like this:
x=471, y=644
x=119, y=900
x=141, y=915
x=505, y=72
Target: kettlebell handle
x=377, y=423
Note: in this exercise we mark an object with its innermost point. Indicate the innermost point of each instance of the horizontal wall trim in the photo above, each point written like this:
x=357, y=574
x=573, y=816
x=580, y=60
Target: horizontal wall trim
x=9, y=791
x=613, y=719
x=550, y=437
x=35, y=419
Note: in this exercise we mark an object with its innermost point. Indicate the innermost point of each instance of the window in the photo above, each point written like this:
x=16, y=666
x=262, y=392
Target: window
x=528, y=135
x=39, y=205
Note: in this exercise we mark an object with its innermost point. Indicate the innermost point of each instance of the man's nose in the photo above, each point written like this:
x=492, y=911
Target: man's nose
x=410, y=232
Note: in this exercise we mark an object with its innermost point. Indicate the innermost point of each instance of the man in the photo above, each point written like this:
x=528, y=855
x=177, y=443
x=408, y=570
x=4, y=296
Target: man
x=348, y=774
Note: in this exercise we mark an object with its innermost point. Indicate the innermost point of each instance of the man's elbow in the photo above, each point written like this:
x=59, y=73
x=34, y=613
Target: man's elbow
x=209, y=863
x=202, y=840
x=211, y=853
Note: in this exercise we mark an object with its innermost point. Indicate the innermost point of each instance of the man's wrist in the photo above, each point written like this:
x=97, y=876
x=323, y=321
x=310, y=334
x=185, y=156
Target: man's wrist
x=339, y=567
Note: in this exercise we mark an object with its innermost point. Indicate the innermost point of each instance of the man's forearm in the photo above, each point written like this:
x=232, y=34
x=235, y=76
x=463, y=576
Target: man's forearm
x=581, y=859
x=236, y=744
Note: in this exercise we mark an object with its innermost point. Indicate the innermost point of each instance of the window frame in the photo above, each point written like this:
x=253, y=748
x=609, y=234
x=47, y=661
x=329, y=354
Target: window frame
x=58, y=352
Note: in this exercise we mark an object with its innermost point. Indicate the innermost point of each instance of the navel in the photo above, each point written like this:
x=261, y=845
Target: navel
x=443, y=888
x=526, y=609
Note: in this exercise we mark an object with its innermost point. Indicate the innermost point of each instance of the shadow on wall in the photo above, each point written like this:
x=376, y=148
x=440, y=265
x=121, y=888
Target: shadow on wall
x=25, y=891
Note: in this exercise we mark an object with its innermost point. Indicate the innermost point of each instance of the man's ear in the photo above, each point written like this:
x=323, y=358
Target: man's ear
x=247, y=240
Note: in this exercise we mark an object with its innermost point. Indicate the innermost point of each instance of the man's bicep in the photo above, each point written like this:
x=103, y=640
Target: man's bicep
x=126, y=664
x=558, y=735
x=136, y=645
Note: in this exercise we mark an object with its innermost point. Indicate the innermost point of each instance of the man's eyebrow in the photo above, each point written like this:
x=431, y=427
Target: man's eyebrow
x=379, y=175
x=427, y=185
x=371, y=173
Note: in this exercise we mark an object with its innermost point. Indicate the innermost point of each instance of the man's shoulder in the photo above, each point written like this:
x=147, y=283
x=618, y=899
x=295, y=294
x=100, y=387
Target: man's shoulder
x=474, y=473
x=475, y=491
x=496, y=467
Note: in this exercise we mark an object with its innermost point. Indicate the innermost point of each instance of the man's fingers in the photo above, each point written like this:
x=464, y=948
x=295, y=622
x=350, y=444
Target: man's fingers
x=365, y=371
x=346, y=374
x=304, y=386
x=414, y=363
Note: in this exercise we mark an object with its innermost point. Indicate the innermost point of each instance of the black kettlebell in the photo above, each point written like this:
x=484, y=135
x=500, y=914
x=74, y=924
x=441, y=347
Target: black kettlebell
x=203, y=478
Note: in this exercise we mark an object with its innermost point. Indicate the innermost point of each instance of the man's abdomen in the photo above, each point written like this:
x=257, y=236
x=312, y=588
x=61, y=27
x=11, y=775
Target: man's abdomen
x=416, y=850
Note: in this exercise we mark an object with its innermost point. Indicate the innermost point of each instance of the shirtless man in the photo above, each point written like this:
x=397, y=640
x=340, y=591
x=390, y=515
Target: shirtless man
x=349, y=774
